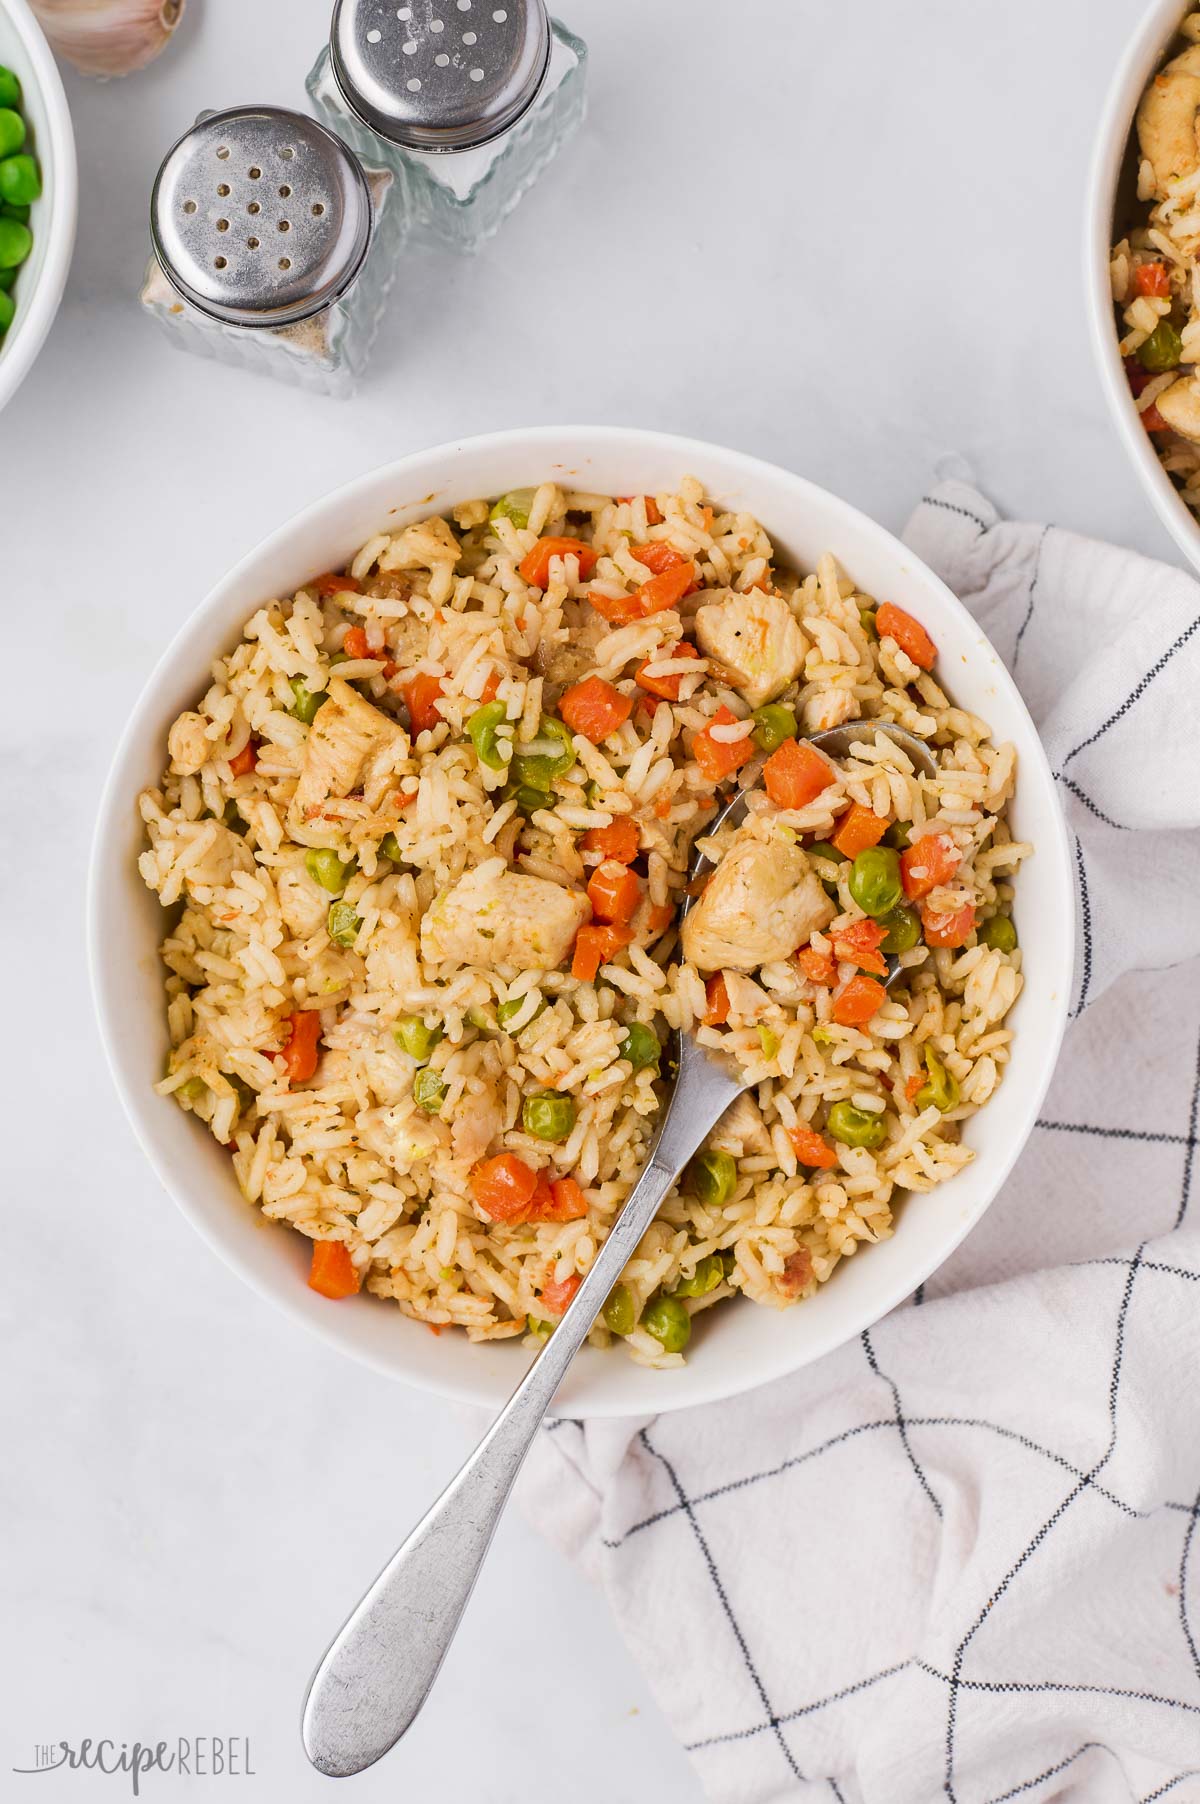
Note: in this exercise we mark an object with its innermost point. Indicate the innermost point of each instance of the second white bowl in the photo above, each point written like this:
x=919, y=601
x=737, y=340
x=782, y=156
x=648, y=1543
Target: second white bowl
x=742, y=1345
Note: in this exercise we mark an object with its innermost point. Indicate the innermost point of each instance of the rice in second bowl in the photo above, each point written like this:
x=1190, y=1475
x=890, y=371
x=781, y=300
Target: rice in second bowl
x=382, y=1083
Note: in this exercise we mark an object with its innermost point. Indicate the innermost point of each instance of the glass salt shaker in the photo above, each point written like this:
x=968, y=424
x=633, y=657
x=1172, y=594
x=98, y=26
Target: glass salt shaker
x=261, y=222
x=466, y=101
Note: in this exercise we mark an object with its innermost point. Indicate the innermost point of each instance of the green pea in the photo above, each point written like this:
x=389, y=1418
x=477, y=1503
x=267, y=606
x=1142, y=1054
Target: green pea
x=875, y=880
x=20, y=183
x=543, y=1330
x=899, y=836
x=16, y=242
x=1163, y=350
x=768, y=1039
x=330, y=871
x=413, y=1037
x=619, y=1313
x=866, y=619
x=307, y=701
x=708, y=1274
x=548, y=1117
x=712, y=1177
x=773, y=724
x=428, y=1090
x=514, y=506
x=12, y=131
x=941, y=1090
x=856, y=1127
x=669, y=1322
x=8, y=309
x=640, y=1045
x=999, y=933
x=903, y=930
x=389, y=847
x=479, y=1017
x=508, y=1011
x=342, y=924
x=10, y=87
x=192, y=1091
x=481, y=728
x=545, y=758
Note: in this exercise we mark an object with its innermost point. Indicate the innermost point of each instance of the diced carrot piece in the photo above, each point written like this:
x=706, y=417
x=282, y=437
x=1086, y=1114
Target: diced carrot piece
x=893, y=623
x=504, y=1187
x=858, y=829
x=818, y=967
x=535, y=565
x=658, y=555
x=355, y=643
x=913, y=1085
x=716, y=994
x=952, y=930
x=653, y=514
x=557, y=1294
x=245, y=760
x=596, y=946
x=331, y=583
x=857, y=1001
x=490, y=688
x=660, y=592
x=333, y=1271
x=1152, y=420
x=1152, y=278
x=595, y=708
x=720, y=758
x=930, y=860
x=811, y=1149
x=618, y=841
x=666, y=687
x=859, y=945
x=796, y=773
x=420, y=694
x=301, y=1050
x=660, y=917
x=614, y=892
x=563, y=1201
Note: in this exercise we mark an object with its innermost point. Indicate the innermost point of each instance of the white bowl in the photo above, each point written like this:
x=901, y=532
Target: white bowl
x=1142, y=58
x=42, y=278
x=739, y=1345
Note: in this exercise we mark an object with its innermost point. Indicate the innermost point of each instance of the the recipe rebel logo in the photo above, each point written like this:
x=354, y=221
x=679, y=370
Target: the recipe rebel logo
x=193, y=1757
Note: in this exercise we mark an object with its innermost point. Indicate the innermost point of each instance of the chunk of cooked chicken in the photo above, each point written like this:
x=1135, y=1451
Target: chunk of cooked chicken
x=1179, y=405
x=189, y=744
x=828, y=708
x=346, y=738
x=477, y=1119
x=303, y=904
x=757, y=638
x=400, y=1134
x=1167, y=120
x=421, y=546
x=741, y=1130
x=494, y=916
x=227, y=852
x=760, y=904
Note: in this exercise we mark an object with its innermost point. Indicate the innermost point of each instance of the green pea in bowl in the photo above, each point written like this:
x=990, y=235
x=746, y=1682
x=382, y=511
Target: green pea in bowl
x=37, y=234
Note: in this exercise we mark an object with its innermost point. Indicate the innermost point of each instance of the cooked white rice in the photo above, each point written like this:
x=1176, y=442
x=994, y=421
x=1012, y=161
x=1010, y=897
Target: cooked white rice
x=348, y=1155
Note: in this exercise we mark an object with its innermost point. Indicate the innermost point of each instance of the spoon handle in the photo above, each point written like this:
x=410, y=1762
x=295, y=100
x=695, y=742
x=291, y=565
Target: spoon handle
x=374, y=1679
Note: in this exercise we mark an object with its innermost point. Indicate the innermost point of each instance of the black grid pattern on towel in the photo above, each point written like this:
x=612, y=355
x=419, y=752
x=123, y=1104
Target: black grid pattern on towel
x=777, y=1716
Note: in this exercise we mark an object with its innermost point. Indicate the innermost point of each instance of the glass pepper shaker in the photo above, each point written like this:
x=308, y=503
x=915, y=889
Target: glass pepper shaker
x=261, y=222
x=466, y=101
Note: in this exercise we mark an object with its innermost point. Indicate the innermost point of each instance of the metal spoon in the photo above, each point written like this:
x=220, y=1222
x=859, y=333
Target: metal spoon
x=377, y=1674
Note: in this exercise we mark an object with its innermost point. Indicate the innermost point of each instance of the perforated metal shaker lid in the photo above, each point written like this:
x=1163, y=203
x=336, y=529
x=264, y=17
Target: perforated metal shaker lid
x=440, y=75
x=260, y=217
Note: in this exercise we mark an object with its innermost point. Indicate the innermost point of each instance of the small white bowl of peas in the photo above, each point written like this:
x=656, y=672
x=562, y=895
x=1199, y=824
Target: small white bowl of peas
x=37, y=192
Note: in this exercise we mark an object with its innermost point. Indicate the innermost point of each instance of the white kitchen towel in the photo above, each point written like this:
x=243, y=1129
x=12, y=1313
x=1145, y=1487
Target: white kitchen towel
x=959, y=1558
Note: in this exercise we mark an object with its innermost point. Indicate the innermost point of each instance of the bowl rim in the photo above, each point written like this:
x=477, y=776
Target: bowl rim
x=18, y=359
x=1141, y=56
x=540, y=445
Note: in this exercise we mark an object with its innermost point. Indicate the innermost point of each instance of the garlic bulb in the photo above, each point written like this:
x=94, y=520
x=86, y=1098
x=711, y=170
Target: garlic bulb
x=108, y=37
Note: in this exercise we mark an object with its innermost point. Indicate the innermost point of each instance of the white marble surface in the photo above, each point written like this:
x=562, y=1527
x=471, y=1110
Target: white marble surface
x=844, y=238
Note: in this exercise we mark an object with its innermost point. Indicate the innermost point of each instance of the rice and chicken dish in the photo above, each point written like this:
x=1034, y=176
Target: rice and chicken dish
x=1155, y=268
x=424, y=840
